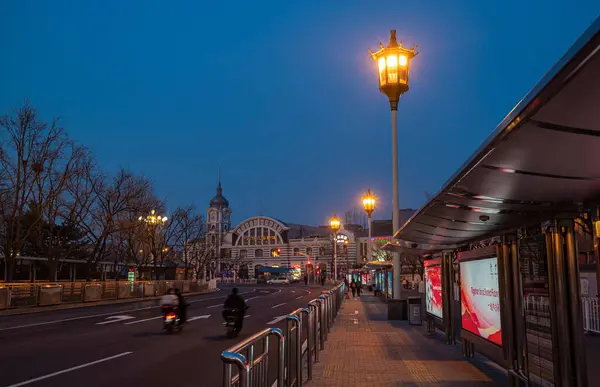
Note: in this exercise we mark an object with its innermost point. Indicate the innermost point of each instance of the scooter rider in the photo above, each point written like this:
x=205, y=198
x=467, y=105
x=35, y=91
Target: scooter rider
x=235, y=301
x=169, y=300
x=182, y=305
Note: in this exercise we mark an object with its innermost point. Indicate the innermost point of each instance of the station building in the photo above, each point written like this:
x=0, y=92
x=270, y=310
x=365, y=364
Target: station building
x=266, y=241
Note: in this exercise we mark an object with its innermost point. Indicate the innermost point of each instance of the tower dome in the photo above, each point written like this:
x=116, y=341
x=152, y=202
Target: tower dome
x=219, y=200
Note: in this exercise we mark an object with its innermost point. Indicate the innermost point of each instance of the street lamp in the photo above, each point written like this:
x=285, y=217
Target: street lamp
x=335, y=225
x=369, y=206
x=152, y=221
x=393, y=63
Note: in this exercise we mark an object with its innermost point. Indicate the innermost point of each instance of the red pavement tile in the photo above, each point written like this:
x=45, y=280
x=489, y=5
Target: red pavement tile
x=365, y=350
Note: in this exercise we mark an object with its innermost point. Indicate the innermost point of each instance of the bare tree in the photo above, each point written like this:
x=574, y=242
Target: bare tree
x=36, y=160
x=59, y=235
x=105, y=211
x=190, y=234
x=202, y=259
x=382, y=255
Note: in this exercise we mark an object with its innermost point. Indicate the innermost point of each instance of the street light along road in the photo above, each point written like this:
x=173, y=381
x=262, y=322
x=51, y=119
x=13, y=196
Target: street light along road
x=393, y=64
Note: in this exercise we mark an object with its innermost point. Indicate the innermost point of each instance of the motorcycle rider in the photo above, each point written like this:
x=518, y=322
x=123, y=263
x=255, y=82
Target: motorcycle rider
x=170, y=300
x=235, y=301
x=182, y=305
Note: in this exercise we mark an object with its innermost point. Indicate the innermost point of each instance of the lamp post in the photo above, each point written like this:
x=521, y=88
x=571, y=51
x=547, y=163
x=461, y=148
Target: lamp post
x=393, y=64
x=369, y=206
x=335, y=224
x=152, y=221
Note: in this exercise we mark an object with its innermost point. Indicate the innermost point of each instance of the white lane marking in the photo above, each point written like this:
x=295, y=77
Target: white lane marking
x=198, y=317
x=69, y=370
x=246, y=316
x=277, y=319
x=114, y=319
x=139, y=321
x=101, y=314
x=293, y=291
x=214, y=306
x=278, y=305
x=264, y=291
x=299, y=297
x=252, y=298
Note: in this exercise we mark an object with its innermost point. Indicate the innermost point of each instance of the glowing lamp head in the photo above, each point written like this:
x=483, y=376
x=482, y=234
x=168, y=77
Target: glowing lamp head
x=369, y=202
x=393, y=63
x=335, y=223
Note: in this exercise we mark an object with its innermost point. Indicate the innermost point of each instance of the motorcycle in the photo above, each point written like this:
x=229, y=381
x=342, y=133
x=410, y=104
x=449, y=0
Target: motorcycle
x=171, y=320
x=231, y=318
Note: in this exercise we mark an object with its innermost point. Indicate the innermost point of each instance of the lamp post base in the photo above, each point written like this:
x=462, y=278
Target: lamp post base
x=397, y=310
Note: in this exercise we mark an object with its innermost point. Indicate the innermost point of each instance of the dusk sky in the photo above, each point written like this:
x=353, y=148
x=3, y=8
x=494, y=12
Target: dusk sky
x=281, y=95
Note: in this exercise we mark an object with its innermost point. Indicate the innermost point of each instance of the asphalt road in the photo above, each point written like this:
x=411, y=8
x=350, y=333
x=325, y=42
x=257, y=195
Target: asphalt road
x=124, y=345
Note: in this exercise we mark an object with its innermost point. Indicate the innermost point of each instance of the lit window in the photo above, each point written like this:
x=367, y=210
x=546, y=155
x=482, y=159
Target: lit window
x=275, y=252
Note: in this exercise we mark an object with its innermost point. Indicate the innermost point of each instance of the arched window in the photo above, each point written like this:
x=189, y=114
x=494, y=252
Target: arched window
x=258, y=253
x=243, y=253
x=259, y=236
x=296, y=251
x=309, y=251
x=275, y=252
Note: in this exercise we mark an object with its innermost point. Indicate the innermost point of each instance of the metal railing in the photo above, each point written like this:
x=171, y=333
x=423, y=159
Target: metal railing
x=298, y=349
x=591, y=314
x=253, y=369
x=19, y=295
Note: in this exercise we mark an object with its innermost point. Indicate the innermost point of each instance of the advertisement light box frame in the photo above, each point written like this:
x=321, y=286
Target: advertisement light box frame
x=433, y=263
x=486, y=347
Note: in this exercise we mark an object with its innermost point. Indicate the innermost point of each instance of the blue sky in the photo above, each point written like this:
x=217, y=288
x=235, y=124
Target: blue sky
x=282, y=96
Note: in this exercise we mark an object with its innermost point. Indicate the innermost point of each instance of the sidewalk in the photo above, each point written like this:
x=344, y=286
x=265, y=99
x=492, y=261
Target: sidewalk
x=364, y=349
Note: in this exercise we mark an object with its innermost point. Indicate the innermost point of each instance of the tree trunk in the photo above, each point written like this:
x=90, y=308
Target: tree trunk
x=52, y=269
x=9, y=270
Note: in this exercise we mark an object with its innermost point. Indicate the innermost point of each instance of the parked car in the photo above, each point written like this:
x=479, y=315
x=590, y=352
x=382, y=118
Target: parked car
x=280, y=280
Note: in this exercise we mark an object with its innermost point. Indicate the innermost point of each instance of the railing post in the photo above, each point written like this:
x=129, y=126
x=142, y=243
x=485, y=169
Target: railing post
x=315, y=305
x=296, y=323
x=324, y=320
x=229, y=359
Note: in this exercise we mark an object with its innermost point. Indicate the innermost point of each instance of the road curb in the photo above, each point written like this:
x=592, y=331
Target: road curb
x=91, y=304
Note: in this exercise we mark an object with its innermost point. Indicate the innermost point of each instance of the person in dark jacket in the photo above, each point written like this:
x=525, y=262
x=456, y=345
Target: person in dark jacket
x=182, y=306
x=235, y=301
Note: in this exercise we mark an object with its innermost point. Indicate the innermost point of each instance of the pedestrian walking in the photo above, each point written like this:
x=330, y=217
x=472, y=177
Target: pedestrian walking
x=358, y=288
x=353, y=287
x=305, y=280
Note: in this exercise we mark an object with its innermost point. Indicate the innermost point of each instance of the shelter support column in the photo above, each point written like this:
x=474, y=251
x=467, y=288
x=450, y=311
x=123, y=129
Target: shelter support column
x=574, y=295
x=570, y=359
x=510, y=301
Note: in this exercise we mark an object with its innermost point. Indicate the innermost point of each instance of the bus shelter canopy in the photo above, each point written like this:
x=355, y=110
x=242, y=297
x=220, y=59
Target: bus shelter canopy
x=540, y=162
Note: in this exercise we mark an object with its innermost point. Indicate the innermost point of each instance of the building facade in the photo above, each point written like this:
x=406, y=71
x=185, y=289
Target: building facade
x=266, y=241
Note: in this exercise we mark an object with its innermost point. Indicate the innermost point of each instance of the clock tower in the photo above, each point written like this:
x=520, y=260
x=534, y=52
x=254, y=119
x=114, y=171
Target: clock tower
x=218, y=222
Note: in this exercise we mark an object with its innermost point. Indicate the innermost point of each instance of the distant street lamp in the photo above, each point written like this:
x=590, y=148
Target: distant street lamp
x=152, y=221
x=369, y=206
x=335, y=225
x=393, y=63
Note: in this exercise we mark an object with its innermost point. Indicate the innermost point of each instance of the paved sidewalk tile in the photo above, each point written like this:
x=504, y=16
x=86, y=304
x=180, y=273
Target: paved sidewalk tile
x=364, y=349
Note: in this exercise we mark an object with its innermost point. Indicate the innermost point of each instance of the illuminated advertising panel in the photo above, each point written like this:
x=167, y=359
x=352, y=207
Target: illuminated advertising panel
x=389, y=283
x=433, y=290
x=480, y=299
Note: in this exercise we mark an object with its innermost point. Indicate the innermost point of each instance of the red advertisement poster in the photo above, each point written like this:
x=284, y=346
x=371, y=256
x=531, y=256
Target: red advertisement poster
x=433, y=290
x=480, y=299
